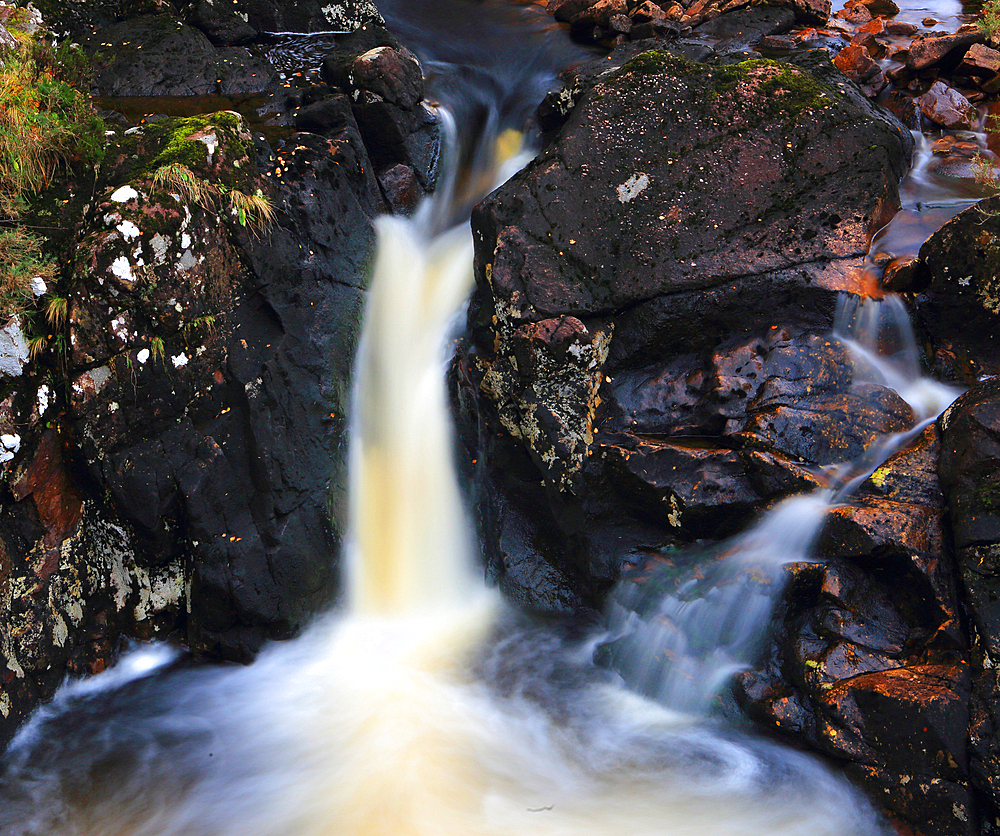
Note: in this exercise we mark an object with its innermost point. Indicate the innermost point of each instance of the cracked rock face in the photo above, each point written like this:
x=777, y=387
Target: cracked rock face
x=657, y=272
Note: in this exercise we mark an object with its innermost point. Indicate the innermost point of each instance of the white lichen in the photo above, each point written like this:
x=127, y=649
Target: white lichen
x=124, y=194
x=123, y=269
x=631, y=188
x=129, y=231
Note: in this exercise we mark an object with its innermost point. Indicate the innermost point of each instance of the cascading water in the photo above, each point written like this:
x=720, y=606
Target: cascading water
x=423, y=709
x=681, y=645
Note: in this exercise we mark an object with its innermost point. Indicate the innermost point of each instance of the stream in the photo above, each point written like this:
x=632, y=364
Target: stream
x=423, y=706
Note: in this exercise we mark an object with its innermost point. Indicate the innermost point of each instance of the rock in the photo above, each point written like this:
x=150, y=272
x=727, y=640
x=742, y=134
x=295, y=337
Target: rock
x=222, y=24
x=401, y=188
x=857, y=64
x=970, y=472
x=159, y=56
x=981, y=61
x=945, y=106
x=392, y=73
x=928, y=50
x=742, y=29
x=648, y=237
x=647, y=11
x=7, y=40
x=192, y=401
x=307, y=15
x=875, y=48
x=856, y=13
x=899, y=274
x=601, y=12
x=384, y=84
x=881, y=7
x=13, y=349
x=632, y=411
x=959, y=296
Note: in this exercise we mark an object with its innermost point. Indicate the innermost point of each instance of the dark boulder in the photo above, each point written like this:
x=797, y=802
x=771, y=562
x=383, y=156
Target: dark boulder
x=970, y=475
x=958, y=292
x=637, y=337
x=160, y=56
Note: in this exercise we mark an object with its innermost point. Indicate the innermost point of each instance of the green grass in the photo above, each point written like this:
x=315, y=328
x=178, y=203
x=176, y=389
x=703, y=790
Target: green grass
x=47, y=125
x=21, y=260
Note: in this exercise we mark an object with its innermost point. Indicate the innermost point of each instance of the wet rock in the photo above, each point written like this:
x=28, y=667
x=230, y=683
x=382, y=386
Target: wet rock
x=654, y=228
x=825, y=428
x=222, y=24
x=928, y=50
x=383, y=82
x=546, y=392
x=945, y=106
x=394, y=74
x=401, y=188
x=881, y=7
x=856, y=13
x=899, y=274
x=857, y=64
x=703, y=491
x=697, y=309
x=970, y=472
x=213, y=395
x=907, y=720
x=980, y=61
x=741, y=30
x=959, y=296
x=160, y=56
x=875, y=48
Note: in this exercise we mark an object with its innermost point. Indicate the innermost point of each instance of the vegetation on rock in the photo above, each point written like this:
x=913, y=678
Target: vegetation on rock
x=46, y=124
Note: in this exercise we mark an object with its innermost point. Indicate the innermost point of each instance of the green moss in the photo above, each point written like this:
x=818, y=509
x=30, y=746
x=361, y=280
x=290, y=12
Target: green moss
x=787, y=90
x=658, y=61
x=177, y=147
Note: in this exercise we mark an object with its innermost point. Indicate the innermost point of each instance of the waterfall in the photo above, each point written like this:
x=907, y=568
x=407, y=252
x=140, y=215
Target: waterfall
x=420, y=708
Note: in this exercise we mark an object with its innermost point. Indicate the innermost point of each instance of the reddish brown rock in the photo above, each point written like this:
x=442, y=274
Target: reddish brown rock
x=927, y=50
x=945, y=106
x=401, y=188
x=855, y=62
x=876, y=49
x=981, y=61
x=856, y=13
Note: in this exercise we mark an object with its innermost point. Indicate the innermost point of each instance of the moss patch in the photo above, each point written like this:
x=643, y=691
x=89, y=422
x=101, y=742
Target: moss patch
x=787, y=90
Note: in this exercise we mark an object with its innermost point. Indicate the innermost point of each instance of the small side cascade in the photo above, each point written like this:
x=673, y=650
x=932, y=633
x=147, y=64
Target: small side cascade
x=679, y=635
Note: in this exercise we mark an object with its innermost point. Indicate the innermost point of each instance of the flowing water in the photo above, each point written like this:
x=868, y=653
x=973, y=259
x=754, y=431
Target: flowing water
x=423, y=707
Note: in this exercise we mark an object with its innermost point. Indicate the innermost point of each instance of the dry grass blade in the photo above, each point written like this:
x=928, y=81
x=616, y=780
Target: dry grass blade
x=178, y=178
x=254, y=211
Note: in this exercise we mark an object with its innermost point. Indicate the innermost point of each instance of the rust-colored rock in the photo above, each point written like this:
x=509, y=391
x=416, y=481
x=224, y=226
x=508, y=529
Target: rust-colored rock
x=927, y=50
x=945, y=106
x=980, y=60
x=855, y=62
